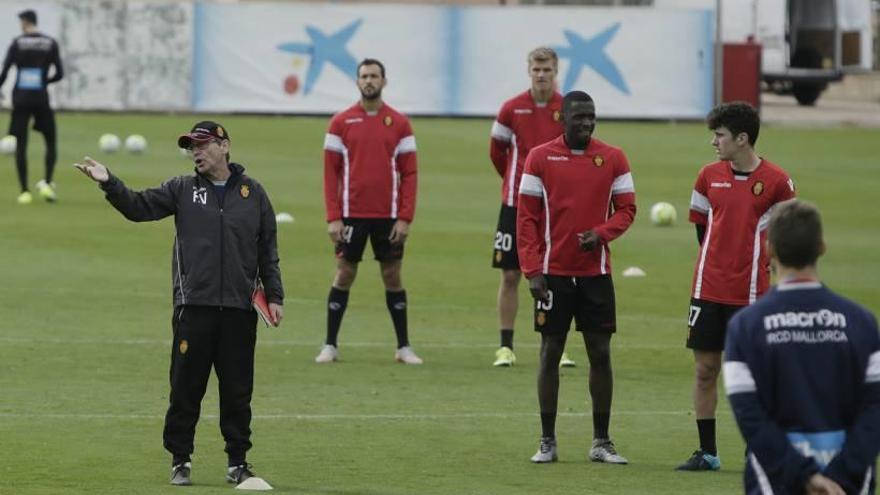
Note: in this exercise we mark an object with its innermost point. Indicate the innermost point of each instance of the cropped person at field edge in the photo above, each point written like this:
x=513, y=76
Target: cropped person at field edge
x=33, y=53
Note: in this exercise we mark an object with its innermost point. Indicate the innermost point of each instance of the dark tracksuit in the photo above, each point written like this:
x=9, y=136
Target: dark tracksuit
x=802, y=371
x=223, y=249
x=32, y=54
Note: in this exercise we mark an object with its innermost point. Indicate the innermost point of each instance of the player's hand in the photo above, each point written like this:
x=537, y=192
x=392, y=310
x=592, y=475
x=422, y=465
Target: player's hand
x=276, y=311
x=819, y=484
x=334, y=230
x=399, y=232
x=93, y=170
x=589, y=240
x=538, y=287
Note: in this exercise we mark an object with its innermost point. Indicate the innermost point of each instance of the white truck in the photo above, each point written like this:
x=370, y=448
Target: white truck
x=805, y=43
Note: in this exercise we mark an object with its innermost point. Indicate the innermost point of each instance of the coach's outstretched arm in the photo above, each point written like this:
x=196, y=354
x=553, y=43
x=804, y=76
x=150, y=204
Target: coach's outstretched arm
x=138, y=206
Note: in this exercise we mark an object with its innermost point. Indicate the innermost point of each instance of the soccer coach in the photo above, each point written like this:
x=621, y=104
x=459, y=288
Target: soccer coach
x=224, y=247
x=803, y=373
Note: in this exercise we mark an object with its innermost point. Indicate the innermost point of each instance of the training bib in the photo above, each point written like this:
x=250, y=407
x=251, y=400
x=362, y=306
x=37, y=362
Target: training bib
x=30, y=78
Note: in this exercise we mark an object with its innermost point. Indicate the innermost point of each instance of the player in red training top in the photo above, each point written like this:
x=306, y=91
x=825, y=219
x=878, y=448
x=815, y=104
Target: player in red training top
x=369, y=192
x=730, y=205
x=528, y=119
x=576, y=196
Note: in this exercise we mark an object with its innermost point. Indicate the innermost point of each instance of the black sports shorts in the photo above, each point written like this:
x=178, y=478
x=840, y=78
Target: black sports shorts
x=589, y=300
x=354, y=239
x=504, y=254
x=707, y=324
x=44, y=119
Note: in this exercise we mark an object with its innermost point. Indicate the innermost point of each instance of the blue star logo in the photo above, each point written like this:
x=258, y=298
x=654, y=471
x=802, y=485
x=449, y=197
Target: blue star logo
x=325, y=49
x=590, y=52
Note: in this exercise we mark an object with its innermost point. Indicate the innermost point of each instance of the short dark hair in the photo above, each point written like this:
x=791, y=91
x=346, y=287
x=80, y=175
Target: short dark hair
x=795, y=233
x=575, y=96
x=738, y=117
x=29, y=16
x=370, y=61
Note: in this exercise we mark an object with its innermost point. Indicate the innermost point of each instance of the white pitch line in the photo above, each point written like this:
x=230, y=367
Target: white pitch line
x=337, y=417
x=301, y=343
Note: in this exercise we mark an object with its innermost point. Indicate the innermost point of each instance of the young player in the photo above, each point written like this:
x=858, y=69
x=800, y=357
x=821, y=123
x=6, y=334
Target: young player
x=528, y=119
x=802, y=372
x=576, y=196
x=730, y=205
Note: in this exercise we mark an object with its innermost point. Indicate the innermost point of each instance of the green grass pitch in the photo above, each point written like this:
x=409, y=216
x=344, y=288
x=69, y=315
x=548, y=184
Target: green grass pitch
x=85, y=323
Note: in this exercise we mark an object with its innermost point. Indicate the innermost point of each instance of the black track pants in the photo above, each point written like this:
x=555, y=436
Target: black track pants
x=206, y=336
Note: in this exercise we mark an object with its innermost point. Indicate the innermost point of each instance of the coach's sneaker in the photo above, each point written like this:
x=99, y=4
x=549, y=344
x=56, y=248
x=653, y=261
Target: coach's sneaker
x=603, y=451
x=546, y=451
x=47, y=191
x=504, y=357
x=180, y=474
x=25, y=198
x=406, y=355
x=328, y=354
x=237, y=474
x=566, y=362
x=701, y=461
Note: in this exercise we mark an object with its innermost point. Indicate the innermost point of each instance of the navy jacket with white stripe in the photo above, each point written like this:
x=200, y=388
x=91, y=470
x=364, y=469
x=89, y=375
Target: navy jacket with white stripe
x=802, y=373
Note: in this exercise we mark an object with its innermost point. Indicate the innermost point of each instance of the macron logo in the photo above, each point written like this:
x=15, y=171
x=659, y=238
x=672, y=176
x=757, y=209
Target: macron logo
x=558, y=158
x=822, y=318
x=354, y=120
x=721, y=184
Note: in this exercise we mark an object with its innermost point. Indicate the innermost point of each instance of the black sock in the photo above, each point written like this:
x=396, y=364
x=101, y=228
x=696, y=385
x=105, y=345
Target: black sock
x=548, y=424
x=706, y=429
x=179, y=459
x=21, y=163
x=336, y=304
x=507, y=338
x=600, y=424
x=396, y=302
x=51, y=156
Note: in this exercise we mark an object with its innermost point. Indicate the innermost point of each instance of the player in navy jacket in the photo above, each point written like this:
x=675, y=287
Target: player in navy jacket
x=802, y=372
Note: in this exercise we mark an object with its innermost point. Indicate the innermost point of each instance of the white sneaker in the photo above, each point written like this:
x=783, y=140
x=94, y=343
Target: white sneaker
x=546, y=451
x=603, y=451
x=406, y=355
x=328, y=354
x=566, y=362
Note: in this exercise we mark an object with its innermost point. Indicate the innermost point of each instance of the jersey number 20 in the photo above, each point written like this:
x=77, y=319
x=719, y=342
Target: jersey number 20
x=503, y=242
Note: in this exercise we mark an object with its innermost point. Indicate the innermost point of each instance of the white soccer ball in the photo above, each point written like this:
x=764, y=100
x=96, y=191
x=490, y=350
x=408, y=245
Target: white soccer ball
x=136, y=143
x=7, y=145
x=109, y=143
x=663, y=214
